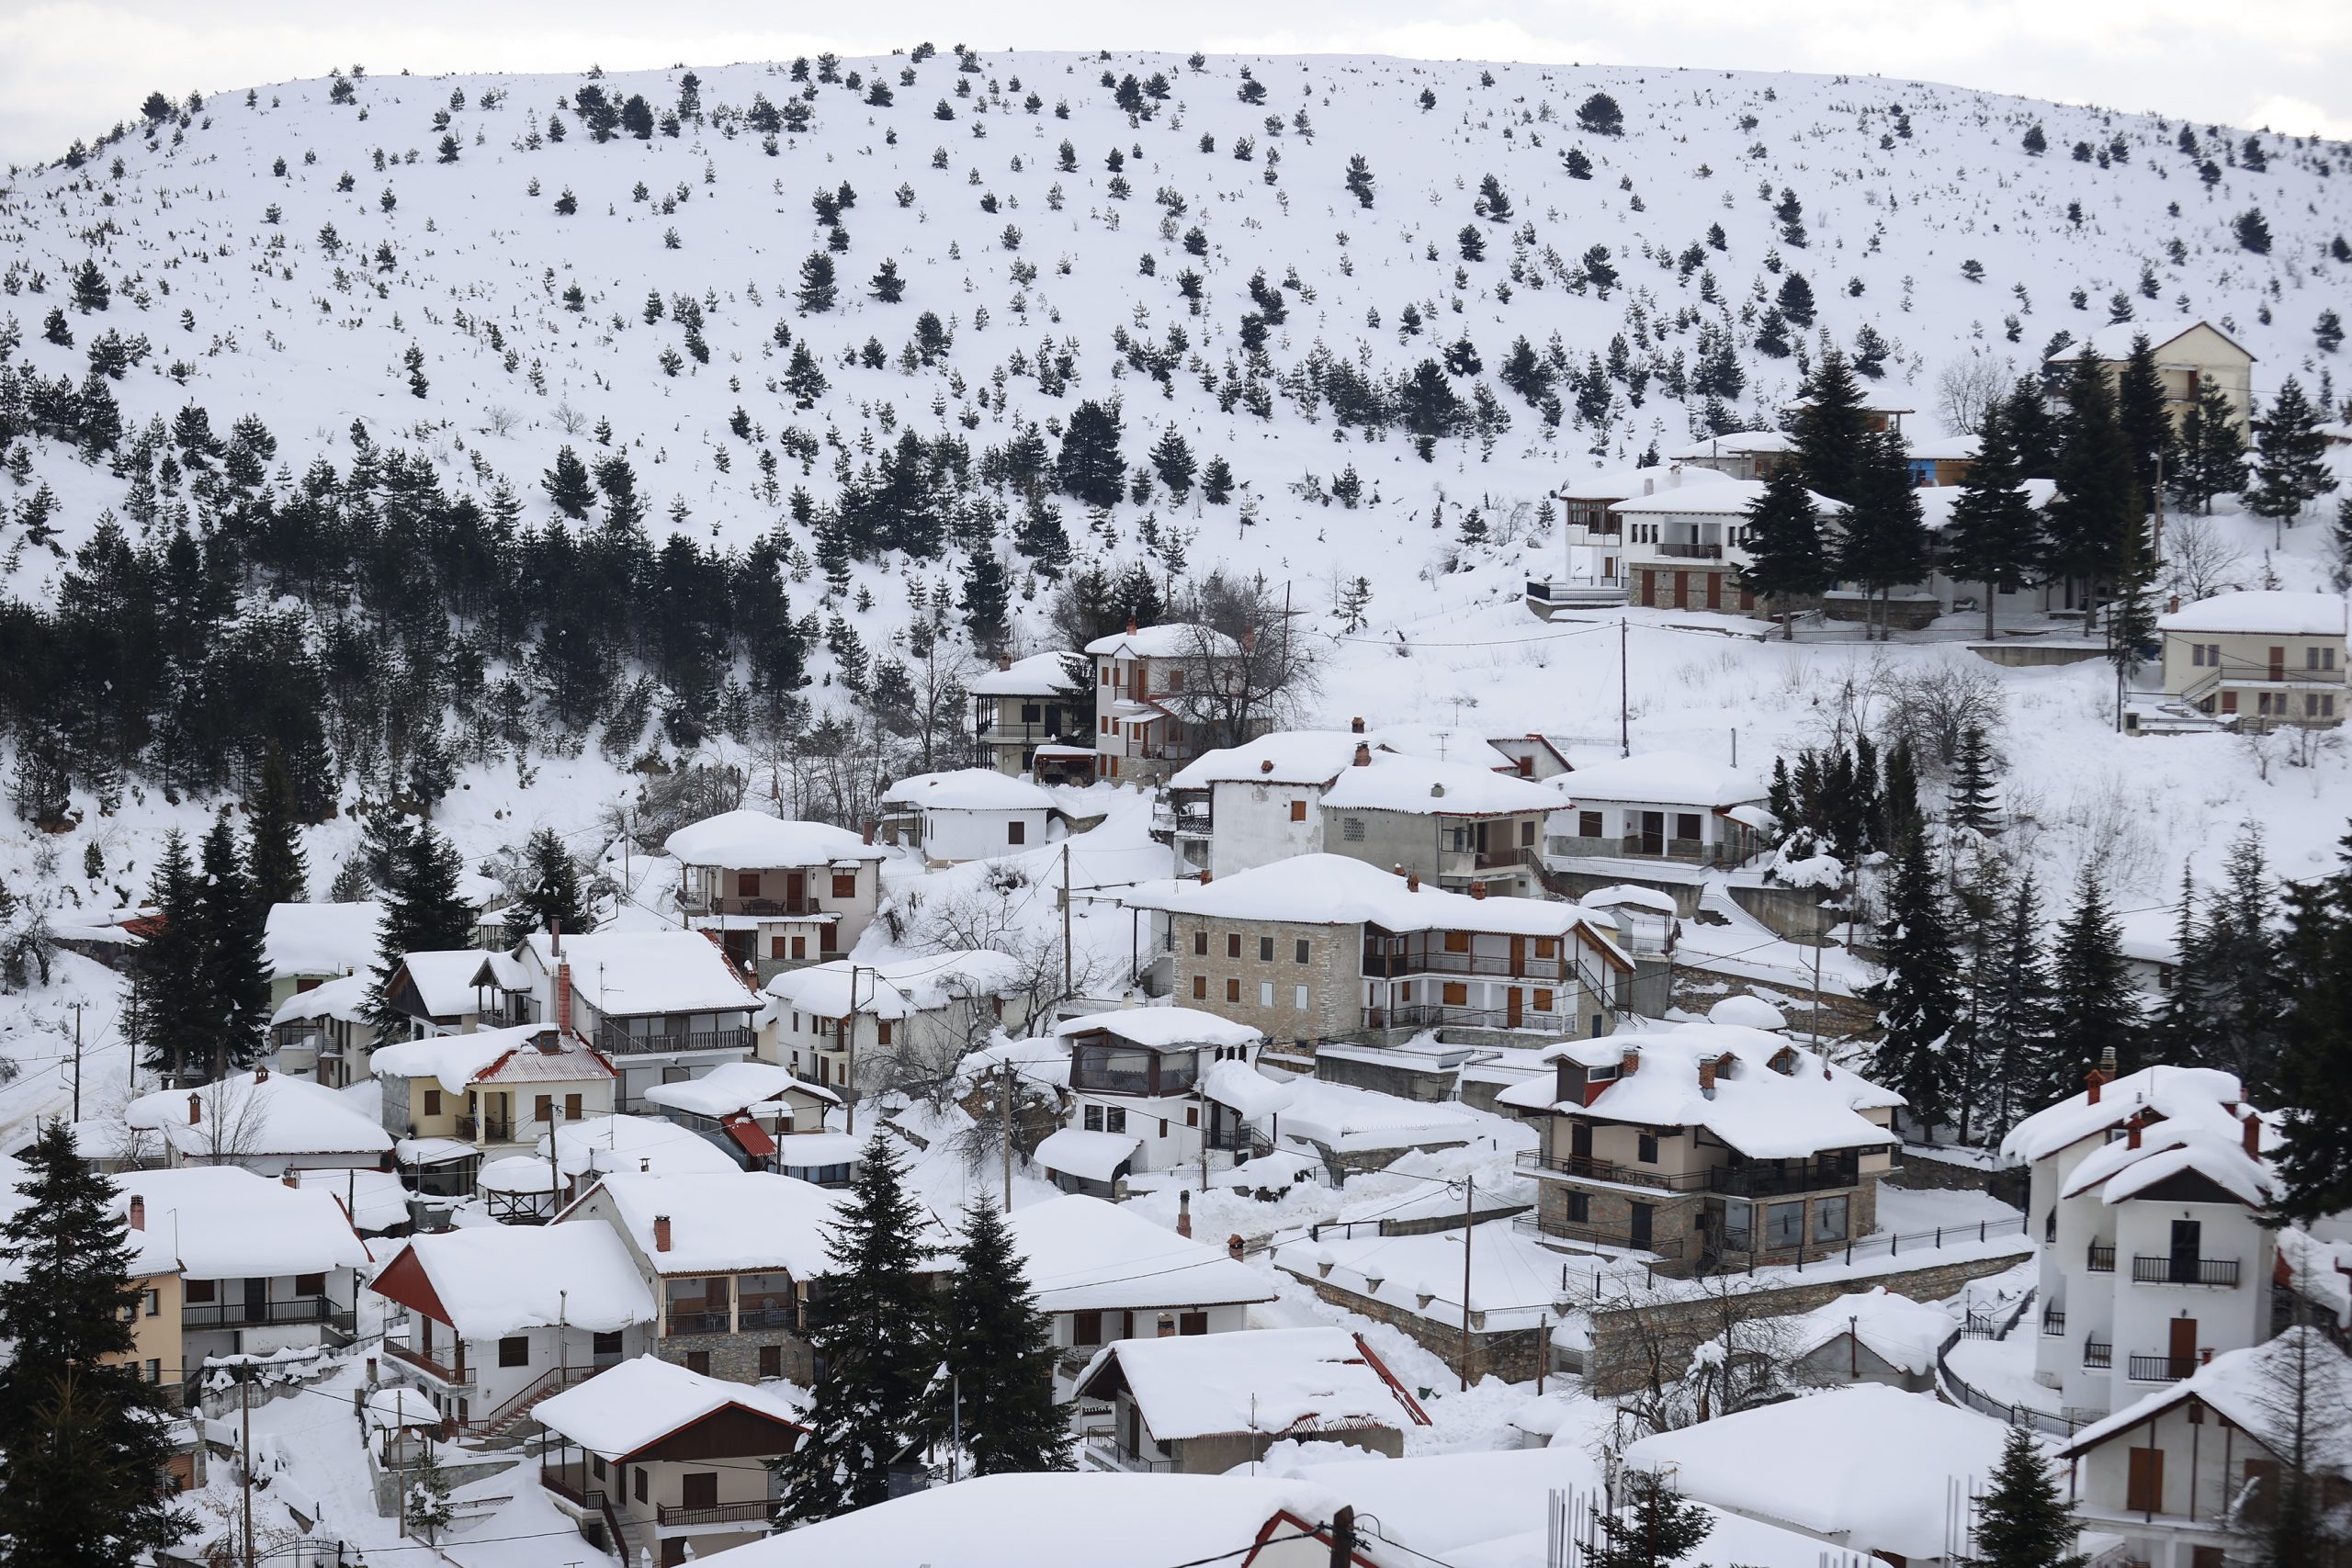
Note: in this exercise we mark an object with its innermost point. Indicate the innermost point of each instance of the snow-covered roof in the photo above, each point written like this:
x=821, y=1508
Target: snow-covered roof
x=1733, y=497
x=1903, y=1333
x=1813, y=1108
x=246, y=1116
x=643, y=1399
x=1946, y=448
x=1335, y=890
x=1747, y=1012
x=746, y=840
x=1039, y=675
x=1085, y=1255
x=448, y=979
x=223, y=1222
x=1665, y=778
x=513, y=1055
x=1444, y=1503
x=900, y=989
x=967, y=789
x=1392, y=782
x=2113, y=341
x=2130, y=1166
x=1348, y=1118
x=320, y=939
x=1162, y=1028
x=633, y=1143
x=1173, y=640
x=345, y=997
x=2271, y=612
x=733, y=1086
x=2151, y=936
x=1054, y=1519
x=1319, y=757
x=2200, y=1093
x=374, y=1198
x=626, y=972
x=1620, y=483
x=2245, y=1386
x=516, y=1173
x=1091, y=1157
x=1248, y=1091
x=1278, y=1382
x=1868, y=1465
x=1625, y=895
x=1937, y=501
x=808, y=1151
x=720, y=1224
x=495, y=1281
x=1736, y=443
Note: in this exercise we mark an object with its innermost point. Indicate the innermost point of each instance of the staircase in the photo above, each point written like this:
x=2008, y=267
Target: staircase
x=501, y=1425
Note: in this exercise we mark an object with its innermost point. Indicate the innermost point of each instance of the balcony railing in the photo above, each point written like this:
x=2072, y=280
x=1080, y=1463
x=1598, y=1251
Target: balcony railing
x=750, y=1317
x=455, y=1377
x=683, y=1323
x=567, y=1482
x=1434, y=1015
x=614, y=1040
x=2098, y=1356
x=2053, y=1323
x=1110, y=1453
x=770, y=908
x=2222, y=1272
x=243, y=1313
x=1392, y=965
x=2160, y=1369
x=755, y=1512
x=1691, y=552
x=1733, y=1180
x=1594, y=1235
x=2100, y=1260
x=1623, y=1175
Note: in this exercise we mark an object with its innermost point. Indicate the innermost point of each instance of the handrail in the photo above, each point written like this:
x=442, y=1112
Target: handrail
x=553, y=1380
x=2222, y=1272
x=1955, y=1387
x=670, y=1514
x=2160, y=1369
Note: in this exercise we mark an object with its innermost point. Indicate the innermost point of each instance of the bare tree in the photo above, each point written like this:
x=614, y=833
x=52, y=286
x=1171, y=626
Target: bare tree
x=1005, y=912
x=2200, y=560
x=1936, y=707
x=1241, y=669
x=2304, y=1395
x=1967, y=388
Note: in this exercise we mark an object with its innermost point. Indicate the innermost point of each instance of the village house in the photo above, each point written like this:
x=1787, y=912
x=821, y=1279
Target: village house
x=264, y=1265
x=1323, y=947
x=1873, y=1335
x=1705, y=1146
x=659, y=1005
x=1138, y=1095
x=776, y=893
x=1025, y=703
x=2190, y=354
x=1685, y=547
x=583, y=1153
x=1748, y=456
x=845, y=1026
x=1530, y=756
x=652, y=1459
x=1658, y=805
x=1203, y=1405
x=307, y=944
x=457, y=991
x=500, y=1317
x=156, y=1355
x=2148, y=1193
x=1592, y=550
x=968, y=814
x=733, y=1260
x=325, y=1032
x=1328, y=792
x=266, y=1122
x=1911, y=605
x=2183, y=1472
x=1103, y=1273
x=746, y=1110
x=2262, y=658
x=1140, y=731
x=493, y=1094
x=1941, y=462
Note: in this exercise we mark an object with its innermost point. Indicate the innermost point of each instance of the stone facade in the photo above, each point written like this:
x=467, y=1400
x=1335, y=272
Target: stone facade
x=1514, y=1355
x=1221, y=968
x=736, y=1357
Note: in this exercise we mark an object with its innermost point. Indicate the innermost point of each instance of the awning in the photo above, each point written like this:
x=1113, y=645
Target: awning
x=749, y=1136
x=1091, y=1157
x=1245, y=1089
x=1754, y=816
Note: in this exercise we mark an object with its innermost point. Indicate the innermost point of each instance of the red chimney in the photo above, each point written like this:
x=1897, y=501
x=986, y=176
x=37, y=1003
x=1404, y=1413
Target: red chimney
x=866, y=834
x=1355, y=726
x=2099, y=1078
x=1412, y=881
x=563, y=996
x=660, y=1232
x=1629, y=1062
x=1131, y=625
x=2132, y=1134
x=137, y=1213
x=1477, y=890
x=1267, y=766
x=195, y=1109
x=1364, y=751
x=1184, y=1214
x=290, y=1179
x=2251, y=1129
x=2172, y=605
x=1004, y=660
x=1233, y=1247
x=261, y=1073
x=1204, y=876
x=1707, y=1079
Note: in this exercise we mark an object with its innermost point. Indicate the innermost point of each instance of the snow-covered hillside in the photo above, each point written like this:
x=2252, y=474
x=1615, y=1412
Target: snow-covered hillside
x=323, y=255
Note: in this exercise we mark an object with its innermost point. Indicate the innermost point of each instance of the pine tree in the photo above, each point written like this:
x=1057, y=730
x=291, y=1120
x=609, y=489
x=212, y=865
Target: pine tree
x=1970, y=803
x=422, y=913
x=2096, y=498
x=1884, y=542
x=2143, y=417
x=90, y=289
x=2013, y=1014
x=1920, y=999
x=1090, y=467
x=2031, y=432
x=1000, y=1347
x=1995, y=536
x=2094, y=1006
x=2211, y=456
x=985, y=601
x=550, y=898
x=274, y=842
x=816, y=290
x=886, y=284
x=2237, y=971
x=1655, y=1529
x=568, y=486
x=2021, y=1521
x=1786, y=557
x=164, y=986
x=1832, y=429
x=84, y=1484
x=1359, y=181
x=2314, y=1042
x=875, y=1346
x=233, y=974
x=1171, y=458
x=2291, y=470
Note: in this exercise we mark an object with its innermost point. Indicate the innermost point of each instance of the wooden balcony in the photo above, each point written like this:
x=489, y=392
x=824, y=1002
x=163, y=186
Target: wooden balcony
x=455, y=1377
x=755, y=1512
x=613, y=1040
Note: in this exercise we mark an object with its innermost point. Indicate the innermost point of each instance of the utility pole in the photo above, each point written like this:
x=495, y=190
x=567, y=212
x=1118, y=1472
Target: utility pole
x=245, y=1459
x=1469, y=1191
x=849, y=1044
x=1624, y=721
x=1005, y=1095
x=77, y=1061
x=1066, y=986
x=1343, y=1538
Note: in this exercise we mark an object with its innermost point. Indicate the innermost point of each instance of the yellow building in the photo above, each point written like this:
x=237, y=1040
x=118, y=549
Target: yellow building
x=2189, y=354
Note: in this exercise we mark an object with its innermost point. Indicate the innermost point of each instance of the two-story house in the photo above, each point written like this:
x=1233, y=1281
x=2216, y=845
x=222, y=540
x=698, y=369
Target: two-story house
x=967, y=814
x=1140, y=699
x=1323, y=947
x=746, y=1109
x=1658, y=806
x=659, y=1005
x=1103, y=1273
x=456, y=991
x=1684, y=547
x=2261, y=658
x=2148, y=1193
x=1745, y=454
x=158, y=1349
x=307, y=945
x=264, y=1265
x=495, y=1092
x=776, y=893
x=2192, y=355
x=1328, y=792
x=652, y=1461
x=326, y=1030
x=1592, y=551
x=491, y=1319
x=1138, y=1093
x=583, y=1153
x=843, y=1025
x=1025, y=703
x=267, y=1123
x=1705, y=1146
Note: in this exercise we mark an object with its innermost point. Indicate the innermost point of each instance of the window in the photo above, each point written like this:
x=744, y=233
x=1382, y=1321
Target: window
x=771, y=1361
x=1016, y=832
x=310, y=1284
x=1351, y=830
x=882, y=1031
x=605, y=1344
x=1176, y=678
x=1190, y=1324
x=154, y=1369
x=597, y=1467
x=2229, y=702
x=2319, y=704
x=1298, y=811
x=1114, y=1119
x=1233, y=990
x=201, y=1290
x=572, y=1107
x=1300, y=950
x=1457, y=942
x=1542, y=1000
x=1829, y=1219
x=1547, y=947
x=154, y=1301
x=1200, y=988
x=1645, y=1148
x=1033, y=713
x=697, y=1356
x=1265, y=950
x=698, y=1489
x=1233, y=945
x=845, y=884
x=699, y=1362
x=1085, y=1328
x=1579, y=1208
x=747, y=885
x=1686, y=825
x=1106, y=674
x=1587, y=824
x=514, y=1350
x=1265, y=993
x=1784, y=1224
x=1093, y=1118
x=1298, y=998
x=433, y=1102
x=1455, y=994
x=1526, y=835
x=2319, y=659
x=543, y=1107
x=1199, y=944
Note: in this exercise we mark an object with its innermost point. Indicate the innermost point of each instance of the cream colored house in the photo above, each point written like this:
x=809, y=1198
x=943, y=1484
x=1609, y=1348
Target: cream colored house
x=1023, y=704
x=776, y=893
x=2263, y=657
x=454, y=1100
x=2189, y=353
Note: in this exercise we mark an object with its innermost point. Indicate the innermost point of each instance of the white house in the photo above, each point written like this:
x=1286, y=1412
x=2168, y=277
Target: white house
x=1745, y=454
x=776, y=893
x=1102, y=1272
x=2261, y=657
x=1592, y=551
x=266, y=1122
x=841, y=1024
x=458, y=990
x=499, y=1317
x=493, y=1094
x=746, y=1109
x=1684, y=547
x=325, y=1031
x=1025, y=703
x=306, y=944
x=1138, y=1077
x=585, y=1152
x=968, y=814
x=1655, y=806
x=661, y=1005
x=2147, y=1193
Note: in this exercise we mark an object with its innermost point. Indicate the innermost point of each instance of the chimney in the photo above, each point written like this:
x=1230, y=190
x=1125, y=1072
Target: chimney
x=195, y=1109
x=1477, y=890
x=555, y=937
x=2252, y=1128
x=2172, y=605
x=660, y=1232
x=1249, y=639
x=1362, y=757
x=1650, y=486
x=2205, y=1357
x=1267, y=766
x=1205, y=873
x=2132, y=1134
x=2099, y=1078
x=292, y=1180
x=1184, y=1214
x=1131, y=625
x=1412, y=881
x=137, y=1213
x=261, y=1073
x=1004, y=660
x=563, y=996
x=866, y=835
x=1233, y=1247
x=1355, y=726
x=1629, y=1062
x=1707, y=1079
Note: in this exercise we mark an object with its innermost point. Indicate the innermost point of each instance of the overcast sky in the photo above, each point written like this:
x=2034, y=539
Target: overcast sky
x=72, y=67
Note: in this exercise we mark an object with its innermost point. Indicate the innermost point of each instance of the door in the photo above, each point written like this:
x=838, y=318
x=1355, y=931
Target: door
x=1638, y=1224
x=1519, y=955
x=1714, y=591
x=1653, y=833
x=1511, y=1008
x=2186, y=1235
x=257, y=1300
x=1649, y=587
x=2182, y=1349
x=2143, y=1484
x=1579, y=1139
x=2277, y=663
x=698, y=1489
x=1681, y=590
x=796, y=891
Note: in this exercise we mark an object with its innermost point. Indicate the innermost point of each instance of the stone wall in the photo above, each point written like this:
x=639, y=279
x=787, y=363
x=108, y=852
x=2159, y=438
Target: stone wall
x=1921, y=1169
x=1334, y=989
x=1697, y=988
x=736, y=1357
x=1514, y=1355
